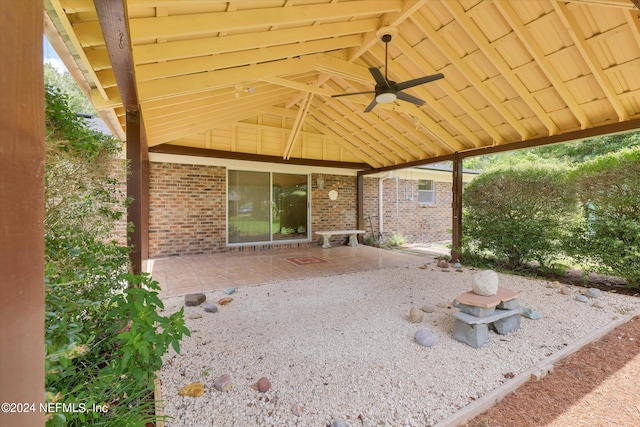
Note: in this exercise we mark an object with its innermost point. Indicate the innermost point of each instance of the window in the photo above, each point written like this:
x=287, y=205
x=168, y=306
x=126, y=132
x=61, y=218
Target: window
x=263, y=207
x=426, y=192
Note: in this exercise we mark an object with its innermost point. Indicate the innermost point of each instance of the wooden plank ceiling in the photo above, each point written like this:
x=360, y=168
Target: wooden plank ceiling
x=256, y=78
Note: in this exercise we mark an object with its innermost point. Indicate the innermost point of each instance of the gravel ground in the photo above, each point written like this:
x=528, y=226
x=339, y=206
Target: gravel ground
x=341, y=348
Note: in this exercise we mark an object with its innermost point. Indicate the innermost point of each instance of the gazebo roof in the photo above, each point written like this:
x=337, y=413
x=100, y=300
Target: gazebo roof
x=254, y=79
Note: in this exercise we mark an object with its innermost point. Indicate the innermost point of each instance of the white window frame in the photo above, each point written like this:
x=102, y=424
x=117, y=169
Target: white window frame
x=427, y=197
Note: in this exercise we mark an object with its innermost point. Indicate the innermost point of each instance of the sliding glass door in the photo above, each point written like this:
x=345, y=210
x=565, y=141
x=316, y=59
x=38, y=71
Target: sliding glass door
x=265, y=207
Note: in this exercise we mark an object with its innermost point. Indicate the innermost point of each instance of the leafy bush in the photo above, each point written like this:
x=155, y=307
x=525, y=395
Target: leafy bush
x=608, y=238
x=395, y=240
x=518, y=214
x=104, y=338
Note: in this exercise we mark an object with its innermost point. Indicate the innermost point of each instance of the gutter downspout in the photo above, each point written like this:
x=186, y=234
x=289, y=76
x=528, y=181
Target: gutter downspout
x=380, y=202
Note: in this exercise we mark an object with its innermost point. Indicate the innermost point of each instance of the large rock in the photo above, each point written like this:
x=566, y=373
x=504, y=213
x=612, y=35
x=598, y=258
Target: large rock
x=485, y=283
x=192, y=300
x=425, y=337
x=192, y=390
x=415, y=315
x=223, y=382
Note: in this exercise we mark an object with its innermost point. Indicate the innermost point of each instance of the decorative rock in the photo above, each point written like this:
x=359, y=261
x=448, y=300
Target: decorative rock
x=457, y=265
x=415, y=315
x=297, y=409
x=428, y=308
x=211, y=308
x=485, y=283
x=222, y=383
x=425, y=337
x=192, y=300
x=443, y=264
x=565, y=291
x=225, y=300
x=338, y=423
x=192, y=390
x=476, y=311
x=194, y=316
x=229, y=291
x=599, y=304
x=264, y=385
x=593, y=293
x=581, y=298
x=530, y=314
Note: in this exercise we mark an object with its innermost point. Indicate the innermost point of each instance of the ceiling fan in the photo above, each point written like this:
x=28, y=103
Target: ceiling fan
x=387, y=91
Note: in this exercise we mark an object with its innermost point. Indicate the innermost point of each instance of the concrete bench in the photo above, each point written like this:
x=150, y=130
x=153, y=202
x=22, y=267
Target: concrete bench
x=353, y=236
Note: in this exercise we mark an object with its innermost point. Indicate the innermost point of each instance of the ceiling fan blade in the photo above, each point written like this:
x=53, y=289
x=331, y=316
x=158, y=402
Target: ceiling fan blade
x=370, y=106
x=381, y=82
x=352, y=93
x=409, y=98
x=419, y=81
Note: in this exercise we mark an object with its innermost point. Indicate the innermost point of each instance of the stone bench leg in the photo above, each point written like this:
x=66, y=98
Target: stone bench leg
x=353, y=240
x=508, y=324
x=473, y=335
x=325, y=241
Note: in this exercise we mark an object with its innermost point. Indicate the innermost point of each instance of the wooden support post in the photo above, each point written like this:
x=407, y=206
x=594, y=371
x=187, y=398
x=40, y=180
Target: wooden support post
x=113, y=19
x=456, y=238
x=137, y=191
x=21, y=213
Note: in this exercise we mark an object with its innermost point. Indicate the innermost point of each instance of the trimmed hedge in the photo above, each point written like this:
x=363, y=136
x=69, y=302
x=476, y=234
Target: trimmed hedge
x=608, y=237
x=519, y=214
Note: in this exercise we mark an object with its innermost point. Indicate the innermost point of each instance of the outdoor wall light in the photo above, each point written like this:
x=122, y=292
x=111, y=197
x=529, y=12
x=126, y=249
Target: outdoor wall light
x=320, y=182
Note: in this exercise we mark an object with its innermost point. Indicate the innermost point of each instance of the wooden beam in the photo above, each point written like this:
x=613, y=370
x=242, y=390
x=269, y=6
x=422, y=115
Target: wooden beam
x=178, y=85
x=501, y=65
x=617, y=127
x=360, y=201
x=219, y=154
x=242, y=58
x=137, y=192
x=237, y=42
x=540, y=57
x=466, y=71
x=392, y=19
x=456, y=209
x=22, y=158
x=579, y=39
x=113, y=21
x=297, y=125
x=203, y=23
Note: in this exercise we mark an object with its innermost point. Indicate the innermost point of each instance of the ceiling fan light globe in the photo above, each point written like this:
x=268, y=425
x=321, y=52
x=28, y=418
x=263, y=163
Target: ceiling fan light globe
x=385, y=98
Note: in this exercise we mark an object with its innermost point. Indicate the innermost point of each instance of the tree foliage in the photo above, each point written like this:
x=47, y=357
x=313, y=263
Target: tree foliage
x=569, y=153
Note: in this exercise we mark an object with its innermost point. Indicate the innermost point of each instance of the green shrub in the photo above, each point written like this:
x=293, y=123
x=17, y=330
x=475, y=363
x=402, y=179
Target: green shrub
x=518, y=214
x=104, y=338
x=608, y=238
x=394, y=240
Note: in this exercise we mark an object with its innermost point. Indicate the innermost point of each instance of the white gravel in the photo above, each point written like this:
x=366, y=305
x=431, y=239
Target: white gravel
x=341, y=347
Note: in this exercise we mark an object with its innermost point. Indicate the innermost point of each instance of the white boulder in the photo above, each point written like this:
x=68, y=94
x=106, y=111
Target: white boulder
x=485, y=283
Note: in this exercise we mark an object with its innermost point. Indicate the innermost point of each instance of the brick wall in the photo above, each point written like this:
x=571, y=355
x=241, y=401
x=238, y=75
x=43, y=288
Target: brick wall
x=187, y=210
x=339, y=214
x=403, y=215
